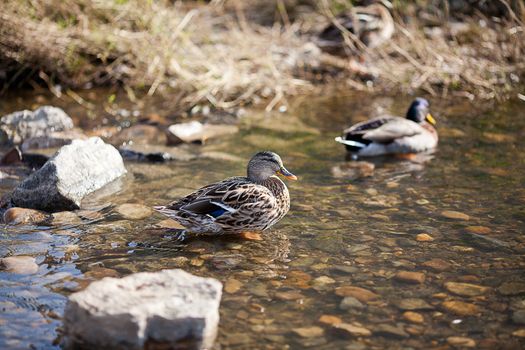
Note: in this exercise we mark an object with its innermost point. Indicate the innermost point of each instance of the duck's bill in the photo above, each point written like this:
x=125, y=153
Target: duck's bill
x=285, y=173
x=430, y=119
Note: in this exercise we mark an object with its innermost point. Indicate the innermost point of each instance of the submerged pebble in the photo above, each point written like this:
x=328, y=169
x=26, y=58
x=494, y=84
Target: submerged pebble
x=413, y=317
x=352, y=330
x=465, y=289
x=463, y=342
x=132, y=211
x=19, y=264
x=361, y=294
x=349, y=303
x=455, y=215
x=24, y=216
x=309, y=332
x=410, y=277
x=460, y=308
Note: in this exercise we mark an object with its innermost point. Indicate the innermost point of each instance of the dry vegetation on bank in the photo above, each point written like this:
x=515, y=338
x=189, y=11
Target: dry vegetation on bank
x=240, y=52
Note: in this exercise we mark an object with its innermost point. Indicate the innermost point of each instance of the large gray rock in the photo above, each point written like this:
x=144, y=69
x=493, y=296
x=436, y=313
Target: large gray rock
x=74, y=171
x=170, y=309
x=19, y=126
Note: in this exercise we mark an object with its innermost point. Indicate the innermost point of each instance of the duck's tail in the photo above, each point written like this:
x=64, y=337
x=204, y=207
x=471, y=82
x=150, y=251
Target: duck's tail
x=351, y=143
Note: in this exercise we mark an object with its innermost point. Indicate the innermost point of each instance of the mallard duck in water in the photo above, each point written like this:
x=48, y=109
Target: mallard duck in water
x=238, y=204
x=393, y=135
x=372, y=25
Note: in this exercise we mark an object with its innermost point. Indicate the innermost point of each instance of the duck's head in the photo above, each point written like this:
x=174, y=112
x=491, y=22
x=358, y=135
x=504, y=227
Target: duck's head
x=419, y=111
x=265, y=164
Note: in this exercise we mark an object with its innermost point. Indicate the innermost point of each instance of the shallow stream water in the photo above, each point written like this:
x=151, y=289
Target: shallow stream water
x=364, y=231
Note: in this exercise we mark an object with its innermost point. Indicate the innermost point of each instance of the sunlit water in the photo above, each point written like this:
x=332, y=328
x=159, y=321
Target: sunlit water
x=339, y=232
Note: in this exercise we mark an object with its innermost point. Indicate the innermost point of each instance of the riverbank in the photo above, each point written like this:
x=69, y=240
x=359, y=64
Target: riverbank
x=232, y=53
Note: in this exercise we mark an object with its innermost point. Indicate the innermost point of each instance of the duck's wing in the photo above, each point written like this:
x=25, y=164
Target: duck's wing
x=393, y=129
x=224, y=198
x=368, y=125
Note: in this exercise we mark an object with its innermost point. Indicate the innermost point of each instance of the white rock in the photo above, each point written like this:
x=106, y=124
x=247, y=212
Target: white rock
x=172, y=308
x=21, y=125
x=75, y=171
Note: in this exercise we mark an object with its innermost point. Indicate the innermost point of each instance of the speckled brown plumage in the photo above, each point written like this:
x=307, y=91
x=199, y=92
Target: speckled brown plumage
x=234, y=205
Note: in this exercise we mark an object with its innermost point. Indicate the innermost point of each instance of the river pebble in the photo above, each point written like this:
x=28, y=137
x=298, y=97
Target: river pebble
x=349, y=303
x=480, y=230
x=437, y=264
x=352, y=330
x=519, y=333
x=289, y=295
x=132, y=211
x=455, y=215
x=361, y=294
x=170, y=224
x=518, y=317
x=21, y=216
x=330, y=319
x=465, y=289
x=463, y=342
x=512, y=288
x=412, y=304
x=309, y=332
x=390, y=331
x=461, y=308
x=424, y=237
x=19, y=264
x=232, y=285
x=410, y=277
x=413, y=317
x=66, y=218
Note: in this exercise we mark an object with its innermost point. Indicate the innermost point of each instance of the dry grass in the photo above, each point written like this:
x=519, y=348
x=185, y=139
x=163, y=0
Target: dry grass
x=217, y=53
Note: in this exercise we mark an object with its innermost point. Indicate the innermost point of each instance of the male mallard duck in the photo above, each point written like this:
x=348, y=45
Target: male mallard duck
x=237, y=204
x=372, y=25
x=393, y=135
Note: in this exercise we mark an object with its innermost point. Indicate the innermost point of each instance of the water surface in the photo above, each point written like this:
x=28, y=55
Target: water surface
x=339, y=232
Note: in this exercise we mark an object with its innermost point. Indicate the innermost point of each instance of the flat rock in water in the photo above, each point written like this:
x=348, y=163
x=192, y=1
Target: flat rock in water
x=19, y=264
x=388, y=330
x=465, y=289
x=353, y=170
x=518, y=317
x=437, y=264
x=171, y=309
x=512, y=288
x=132, y=211
x=197, y=132
x=140, y=134
x=412, y=304
x=461, y=308
x=410, y=277
x=19, y=126
x=361, y=294
x=309, y=332
x=352, y=330
x=455, y=215
x=21, y=216
x=349, y=303
x=73, y=172
x=462, y=342
x=413, y=317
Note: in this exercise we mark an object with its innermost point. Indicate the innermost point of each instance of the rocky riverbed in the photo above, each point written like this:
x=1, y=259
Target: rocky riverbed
x=424, y=253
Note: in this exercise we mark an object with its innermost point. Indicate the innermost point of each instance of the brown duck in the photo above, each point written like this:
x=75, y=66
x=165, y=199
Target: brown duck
x=236, y=205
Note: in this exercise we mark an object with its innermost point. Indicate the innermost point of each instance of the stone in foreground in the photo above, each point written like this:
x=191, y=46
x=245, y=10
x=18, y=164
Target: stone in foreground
x=171, y=309
x=73, y=172
x=19, y=126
